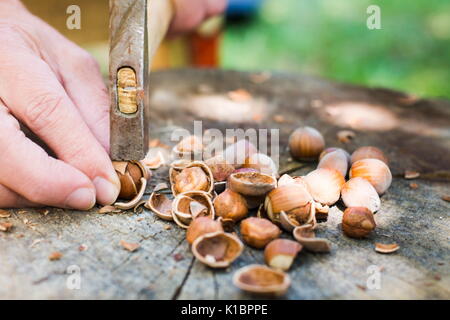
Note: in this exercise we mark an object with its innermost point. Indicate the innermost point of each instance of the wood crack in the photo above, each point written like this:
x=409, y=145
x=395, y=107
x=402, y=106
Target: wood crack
x=179, y=289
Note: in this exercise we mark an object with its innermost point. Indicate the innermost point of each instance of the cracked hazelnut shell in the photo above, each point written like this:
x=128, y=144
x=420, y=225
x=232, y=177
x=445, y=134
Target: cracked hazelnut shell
x=201, y=226
x=261, y=280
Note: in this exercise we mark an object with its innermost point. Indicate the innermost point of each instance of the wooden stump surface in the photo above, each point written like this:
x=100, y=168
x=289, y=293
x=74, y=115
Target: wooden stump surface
x=414, y=133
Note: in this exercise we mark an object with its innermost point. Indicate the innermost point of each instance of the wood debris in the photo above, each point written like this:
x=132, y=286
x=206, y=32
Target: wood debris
x=129, y=245
x=345, y=136
x=4, y=214
x=409, y=174
x=413, y=185
x=386, y=248
x=54, y=256
x=5, y=226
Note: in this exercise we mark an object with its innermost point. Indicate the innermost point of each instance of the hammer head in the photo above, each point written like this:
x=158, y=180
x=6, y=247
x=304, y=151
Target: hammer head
x=129, y=71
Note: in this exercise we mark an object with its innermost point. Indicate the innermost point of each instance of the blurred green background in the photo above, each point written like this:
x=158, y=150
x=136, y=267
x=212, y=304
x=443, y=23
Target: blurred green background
x=330, y=38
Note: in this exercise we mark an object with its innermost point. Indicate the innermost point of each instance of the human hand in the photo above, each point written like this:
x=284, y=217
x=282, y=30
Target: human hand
x=55, y=89
x=190, y=13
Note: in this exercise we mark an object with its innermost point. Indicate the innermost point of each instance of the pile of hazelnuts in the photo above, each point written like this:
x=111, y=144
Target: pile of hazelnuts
x=212, y=196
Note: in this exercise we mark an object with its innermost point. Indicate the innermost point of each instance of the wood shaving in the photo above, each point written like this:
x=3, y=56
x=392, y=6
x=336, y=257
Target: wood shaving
x=409, y=174
x=54, y=256
x=345, y=136
x=4, y=214
x=6, y=226
x=129, y=245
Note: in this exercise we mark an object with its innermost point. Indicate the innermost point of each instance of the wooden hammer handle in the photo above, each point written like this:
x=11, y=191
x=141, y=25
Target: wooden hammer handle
x=159, y=17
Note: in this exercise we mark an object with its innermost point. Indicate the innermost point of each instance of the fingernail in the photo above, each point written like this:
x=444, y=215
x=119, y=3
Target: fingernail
x=107, y=192
x=81, y=199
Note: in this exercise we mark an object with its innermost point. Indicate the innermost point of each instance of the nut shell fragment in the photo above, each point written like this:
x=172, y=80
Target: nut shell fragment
x=306, y=236
x=217, y=250
x=251, y=183
x=262, y=280
x=386, y=248
x=190, y=176
x=161, y=205
x=181, y=207
x=201, y=226
x=280, y=253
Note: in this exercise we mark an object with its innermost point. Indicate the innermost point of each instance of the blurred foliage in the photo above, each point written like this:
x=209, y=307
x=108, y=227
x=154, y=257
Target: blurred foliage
x=330, y=38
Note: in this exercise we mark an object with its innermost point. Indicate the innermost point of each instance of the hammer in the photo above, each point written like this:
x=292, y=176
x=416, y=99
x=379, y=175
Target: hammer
x=137, y=28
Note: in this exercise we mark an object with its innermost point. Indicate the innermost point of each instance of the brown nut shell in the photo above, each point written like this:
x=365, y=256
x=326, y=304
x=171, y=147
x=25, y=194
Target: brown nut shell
x=386, y=248
x=293, y=199
x=161, y=205
x=358, y=192
x=251, y=183
x=135, y=201
x=368, y=152
x=190, y=176
x=306, y=236
x=230, y=205
x=280, y=253
x=201, y=226
x=375, y=171
x=258, y=232
x=220, y=168
x=182, y=207
x=325, y=185
x=218, y=249
x=130, y=174
x=332, y=149
x=358, y=222
x=306, y=143
x=261, y=280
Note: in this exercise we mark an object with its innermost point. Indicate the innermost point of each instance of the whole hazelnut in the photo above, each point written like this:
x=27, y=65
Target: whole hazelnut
x=373, y=170
x=358, y=222
x=335, y=160
x=368, y=152
x=220, y=168
x=230, y=205
x=262, y=163
x=191, y=179
x=258, y=232
x=280, y=253
x=201, y=226
x=306, y=143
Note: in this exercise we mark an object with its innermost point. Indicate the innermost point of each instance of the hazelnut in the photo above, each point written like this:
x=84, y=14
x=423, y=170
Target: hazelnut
x=220, y=168
x=218, y=249
x=306, y=143
x=332, y=149
x=335, y=160
x=325, y=185
x=261, y=280
x=201, y=226
x=188, y=176
x=230, y=205
x=161, y=205
x=262, y=163
x=130, y=174
x=368, y=153
x=292, y=199
x=358, y=222
x=358, y=192
x=280, y=253
x=258, y=232
x=373, y=170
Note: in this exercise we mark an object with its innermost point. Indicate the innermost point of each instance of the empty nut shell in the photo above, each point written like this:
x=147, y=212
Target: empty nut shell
x=201, y=226
x=161, y=205
x=368, y=153
x=183, y=207
x=358, y=192
x=306, y=236
x=306, y=143
x=217, y=250
x=280, y=253
x=258, y=232
x=230, y=205
x=261, y=280
x=358, y=222
x=373, y=170
x=325, y=185
x=251, y=183
x=190, y=176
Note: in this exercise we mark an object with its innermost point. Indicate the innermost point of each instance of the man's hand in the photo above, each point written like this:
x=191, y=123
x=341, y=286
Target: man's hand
x=56, y=90
x=190, y=13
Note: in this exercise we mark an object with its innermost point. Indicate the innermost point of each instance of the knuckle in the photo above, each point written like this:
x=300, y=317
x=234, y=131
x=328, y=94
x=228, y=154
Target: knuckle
x=42, y=110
